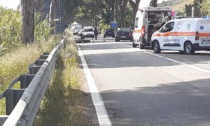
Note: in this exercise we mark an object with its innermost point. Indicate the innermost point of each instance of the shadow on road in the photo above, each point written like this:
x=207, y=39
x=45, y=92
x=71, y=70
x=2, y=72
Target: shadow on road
x=175, y=104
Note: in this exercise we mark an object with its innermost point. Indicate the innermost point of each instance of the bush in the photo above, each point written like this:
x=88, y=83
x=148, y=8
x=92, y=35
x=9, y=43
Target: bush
x=10, y=29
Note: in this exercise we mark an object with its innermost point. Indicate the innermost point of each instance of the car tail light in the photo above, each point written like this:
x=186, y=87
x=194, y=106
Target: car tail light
x=143, y=30
x=196, y=35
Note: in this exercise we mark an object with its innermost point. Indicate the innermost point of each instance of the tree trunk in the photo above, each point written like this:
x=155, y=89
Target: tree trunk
x=153, y=3
x=27, y=7
x=116, y=9
x=53, y=15
x=135, y=7
x=123, y=5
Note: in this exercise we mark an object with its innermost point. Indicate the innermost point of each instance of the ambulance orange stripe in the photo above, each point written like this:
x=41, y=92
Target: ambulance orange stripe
x=182, y=34
x=137, y=31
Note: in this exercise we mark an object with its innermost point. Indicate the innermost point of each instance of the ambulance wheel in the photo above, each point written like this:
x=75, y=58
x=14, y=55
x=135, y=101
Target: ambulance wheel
x=188, y=48
x=134, y=45
x=156, y=47
x=141, y=46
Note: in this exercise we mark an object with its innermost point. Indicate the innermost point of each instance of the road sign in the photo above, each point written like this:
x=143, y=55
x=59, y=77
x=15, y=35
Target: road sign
x=114, y=24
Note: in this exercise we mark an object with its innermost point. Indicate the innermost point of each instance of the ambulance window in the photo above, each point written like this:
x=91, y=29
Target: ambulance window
x=136, y=22
x=168, y=27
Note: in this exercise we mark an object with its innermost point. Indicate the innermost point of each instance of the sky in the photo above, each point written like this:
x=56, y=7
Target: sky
x=10, y=3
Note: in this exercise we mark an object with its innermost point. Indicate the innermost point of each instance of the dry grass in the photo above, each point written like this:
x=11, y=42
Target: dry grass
x=181, y=6
x=63, y=104
x=15, y=63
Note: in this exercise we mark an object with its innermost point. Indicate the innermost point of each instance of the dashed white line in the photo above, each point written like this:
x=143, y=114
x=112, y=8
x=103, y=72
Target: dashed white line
x=101, y=112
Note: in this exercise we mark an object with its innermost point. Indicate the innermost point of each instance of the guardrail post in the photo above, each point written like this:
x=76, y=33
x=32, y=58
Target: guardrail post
x=40, y=61
x=3, y=118
x=22, y=104
x=12, y=98
x=25, y=80
x=33, y=68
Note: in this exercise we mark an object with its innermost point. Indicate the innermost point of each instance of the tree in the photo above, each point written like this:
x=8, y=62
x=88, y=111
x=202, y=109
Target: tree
x=27, y=7
x=135, y=6
x=205, y=7
x=53, y=14
x=197, y=5
x=122, y=5
x=153, y=3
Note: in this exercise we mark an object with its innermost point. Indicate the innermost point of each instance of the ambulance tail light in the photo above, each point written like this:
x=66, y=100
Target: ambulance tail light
x=196, y=35
x=143, y=30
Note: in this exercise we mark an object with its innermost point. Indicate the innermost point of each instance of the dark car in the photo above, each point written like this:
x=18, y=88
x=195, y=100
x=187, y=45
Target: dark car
x=124, y=34
x=109, y=32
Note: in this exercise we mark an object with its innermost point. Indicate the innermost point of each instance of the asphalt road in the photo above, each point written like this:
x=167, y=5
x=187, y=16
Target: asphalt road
x=140, y=88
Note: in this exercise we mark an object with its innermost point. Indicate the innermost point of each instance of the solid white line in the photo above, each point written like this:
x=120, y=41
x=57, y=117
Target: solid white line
x=101, y=112
x=182, y=63
x=176, y=61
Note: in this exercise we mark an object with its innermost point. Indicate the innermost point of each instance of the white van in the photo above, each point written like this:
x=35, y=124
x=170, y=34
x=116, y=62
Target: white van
x=147, y=21
x=185, y=35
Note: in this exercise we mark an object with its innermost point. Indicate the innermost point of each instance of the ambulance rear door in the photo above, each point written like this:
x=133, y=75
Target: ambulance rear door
x=204, y=32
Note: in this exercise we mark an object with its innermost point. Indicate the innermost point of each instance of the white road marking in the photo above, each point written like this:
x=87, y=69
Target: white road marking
x=101, y=112
x=176, y=61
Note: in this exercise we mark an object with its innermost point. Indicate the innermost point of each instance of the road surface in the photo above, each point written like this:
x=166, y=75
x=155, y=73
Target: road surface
x=140, y=88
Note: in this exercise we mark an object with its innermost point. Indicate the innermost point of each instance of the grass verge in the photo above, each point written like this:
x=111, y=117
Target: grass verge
x=15, y=63
x=63, y=104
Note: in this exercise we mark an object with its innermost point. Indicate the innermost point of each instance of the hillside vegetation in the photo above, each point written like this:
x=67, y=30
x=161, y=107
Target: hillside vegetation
x=180, y=6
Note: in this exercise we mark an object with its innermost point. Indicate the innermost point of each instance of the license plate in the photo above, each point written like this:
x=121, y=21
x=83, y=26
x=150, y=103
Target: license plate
x=123, y=36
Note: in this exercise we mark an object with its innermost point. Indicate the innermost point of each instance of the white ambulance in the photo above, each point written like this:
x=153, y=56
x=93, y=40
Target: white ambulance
x=185, y=35
x=147, y=21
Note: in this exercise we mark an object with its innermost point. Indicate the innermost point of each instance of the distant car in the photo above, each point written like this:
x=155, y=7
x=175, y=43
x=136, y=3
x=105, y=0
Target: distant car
x=76, y=28
x=124, y=34
x=109, y=32
x=87, y=32
x=79, y=33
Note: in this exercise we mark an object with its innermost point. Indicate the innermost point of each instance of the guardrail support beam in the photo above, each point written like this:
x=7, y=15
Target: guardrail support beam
x=25, y=80
x=12, y=98
x=3, y=118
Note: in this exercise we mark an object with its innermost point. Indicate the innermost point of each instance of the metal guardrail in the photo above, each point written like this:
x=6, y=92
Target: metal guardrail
x=22, y=104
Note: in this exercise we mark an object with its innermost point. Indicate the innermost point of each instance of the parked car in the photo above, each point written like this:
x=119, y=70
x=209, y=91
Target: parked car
x=124, y=34
x=109, y=32
x=76, y=29
x=79, y=33
x=87, y=32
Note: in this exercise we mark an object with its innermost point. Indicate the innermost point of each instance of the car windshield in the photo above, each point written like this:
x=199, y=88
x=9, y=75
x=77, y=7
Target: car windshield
x=87, y=30
x=78, y=27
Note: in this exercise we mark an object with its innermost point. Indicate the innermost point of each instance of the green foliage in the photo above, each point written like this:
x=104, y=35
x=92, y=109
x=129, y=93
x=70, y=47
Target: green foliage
x=129, y=17
x=103, y=27
x=42, y=29
x=10, y=29
x=16, y=63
